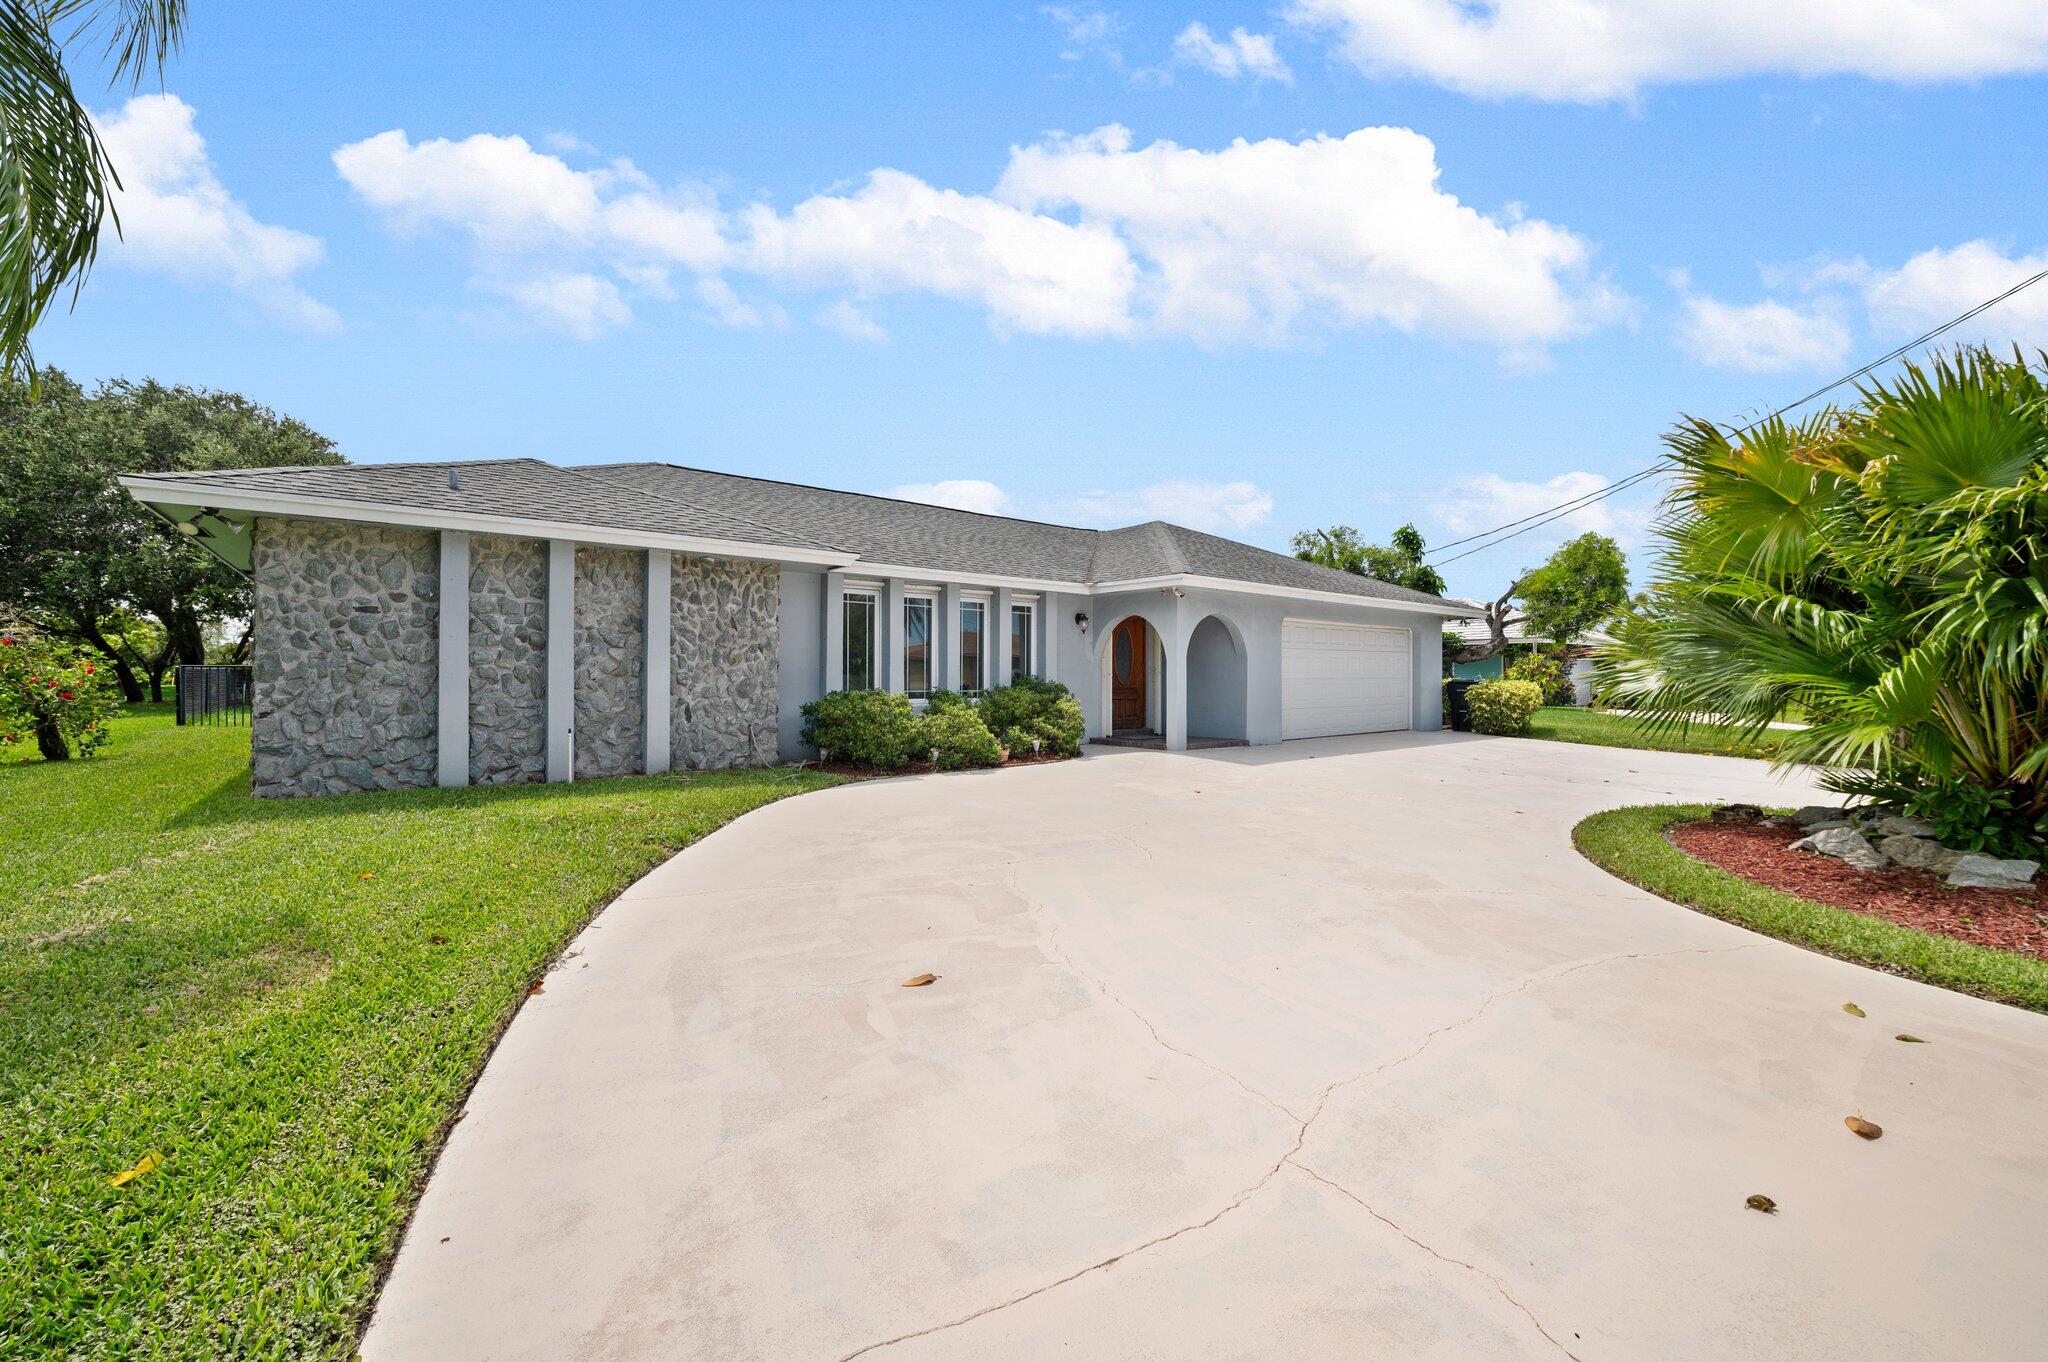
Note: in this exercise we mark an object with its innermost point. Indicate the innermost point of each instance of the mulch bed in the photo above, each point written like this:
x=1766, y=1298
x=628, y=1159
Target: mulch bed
x=2001, y=919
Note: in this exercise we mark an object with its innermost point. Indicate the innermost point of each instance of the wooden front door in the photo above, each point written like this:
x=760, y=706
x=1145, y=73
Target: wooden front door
x=1127, y=653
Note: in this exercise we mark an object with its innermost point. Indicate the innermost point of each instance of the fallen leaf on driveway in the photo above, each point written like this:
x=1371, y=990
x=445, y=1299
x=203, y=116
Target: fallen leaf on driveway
x=536, y=987
x=1760, y=1202
x=148, y=1164
x=919, y=981
x=1853, y=1010
x=1869, y=1130
x=1910, y=1040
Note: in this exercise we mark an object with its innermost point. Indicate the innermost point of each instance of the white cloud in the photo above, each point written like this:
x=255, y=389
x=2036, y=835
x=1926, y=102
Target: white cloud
x=1939, y=284
x=854, y=324
x=1087, y=32
x=1762, y=337
x=962, y=494
x=579, y=305
x=1242, y=54
x=1092, y=236
x=728, y=307
x=1216, y=506
x=1591, y=50
x=535, y=221
x=1473, y=505
x=1033, y=272
x=1263, y=240
x=177, y=216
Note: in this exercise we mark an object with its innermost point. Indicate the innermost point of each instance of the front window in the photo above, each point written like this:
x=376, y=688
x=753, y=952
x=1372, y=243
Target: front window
x=858, y=672
x=917, y=647
x=1020, y=641
x=972, y=614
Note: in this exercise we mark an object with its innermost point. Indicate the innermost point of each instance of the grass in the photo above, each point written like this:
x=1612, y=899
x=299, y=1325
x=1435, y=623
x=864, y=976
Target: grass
x=285, y=1002
x=1630, y=843
x=1562, y=723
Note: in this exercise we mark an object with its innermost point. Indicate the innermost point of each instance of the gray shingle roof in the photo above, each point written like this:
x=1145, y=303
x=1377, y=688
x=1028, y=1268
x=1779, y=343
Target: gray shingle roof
x=664, y=498
x=527, y=489
x=880, y=529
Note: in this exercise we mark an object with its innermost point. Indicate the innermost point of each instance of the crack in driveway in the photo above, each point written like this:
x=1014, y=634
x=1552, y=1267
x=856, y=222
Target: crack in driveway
x=1305, y=1124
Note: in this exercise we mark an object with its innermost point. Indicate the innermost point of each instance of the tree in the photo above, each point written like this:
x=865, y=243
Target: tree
x=80, y=558
x=1883, y=571
x=1578, y=588
x=1399, y=564
x=56, y=183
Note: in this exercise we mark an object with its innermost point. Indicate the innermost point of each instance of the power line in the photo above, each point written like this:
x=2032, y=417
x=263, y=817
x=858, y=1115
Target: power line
x=1585, y=499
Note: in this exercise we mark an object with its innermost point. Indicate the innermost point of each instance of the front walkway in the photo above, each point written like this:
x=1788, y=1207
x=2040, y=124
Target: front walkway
x=1335, y=1049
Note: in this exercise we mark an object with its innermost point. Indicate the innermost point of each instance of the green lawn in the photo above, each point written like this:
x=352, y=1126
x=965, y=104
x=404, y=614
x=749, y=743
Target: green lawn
x=1631, y=843
x=1561, y=723
x=285, y=1001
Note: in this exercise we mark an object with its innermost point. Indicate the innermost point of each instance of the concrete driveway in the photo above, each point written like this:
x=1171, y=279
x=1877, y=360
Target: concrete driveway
x=1330, y=1050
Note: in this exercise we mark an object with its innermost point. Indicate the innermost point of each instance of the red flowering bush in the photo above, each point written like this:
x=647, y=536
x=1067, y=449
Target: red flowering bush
x=61, y=699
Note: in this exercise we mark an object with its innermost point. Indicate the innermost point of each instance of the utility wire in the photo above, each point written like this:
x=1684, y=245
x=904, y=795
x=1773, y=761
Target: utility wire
x=1538, y=519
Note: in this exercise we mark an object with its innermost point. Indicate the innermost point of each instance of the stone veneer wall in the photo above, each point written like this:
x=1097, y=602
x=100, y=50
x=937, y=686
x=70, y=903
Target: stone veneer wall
x=345, y=656
x=611, y=667
x=508, y=660
x=723, y=660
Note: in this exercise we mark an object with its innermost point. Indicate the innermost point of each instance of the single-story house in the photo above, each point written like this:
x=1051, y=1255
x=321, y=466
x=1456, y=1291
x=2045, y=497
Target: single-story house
x=1473, y=628
x=511, y=620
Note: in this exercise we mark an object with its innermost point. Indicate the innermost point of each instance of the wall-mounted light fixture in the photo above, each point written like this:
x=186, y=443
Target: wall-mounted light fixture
x=186, y=527
x=1081, y=622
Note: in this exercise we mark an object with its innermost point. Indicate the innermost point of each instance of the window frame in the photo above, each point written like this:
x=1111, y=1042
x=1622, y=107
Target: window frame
x=930, y=602
x=1028, y=611
x=873, y=600
x=980, y=605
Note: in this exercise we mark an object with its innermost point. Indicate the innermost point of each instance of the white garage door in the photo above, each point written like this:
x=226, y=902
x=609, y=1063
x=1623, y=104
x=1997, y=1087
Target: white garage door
x=1342, y=678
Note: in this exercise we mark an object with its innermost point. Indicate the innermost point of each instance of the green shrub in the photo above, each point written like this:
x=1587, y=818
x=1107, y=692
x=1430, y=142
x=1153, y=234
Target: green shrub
x=941, y=698
x=1969, y=817
x=956, y=737
x=1549, y=671
x=871, y=728
x=1504, y=708
x=52, y=694
x=1031, y=708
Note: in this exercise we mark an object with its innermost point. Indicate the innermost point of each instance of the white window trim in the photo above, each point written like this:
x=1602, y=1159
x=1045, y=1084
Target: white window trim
x=982, y=603
x=1030, y=609
x=928, y=597
x=874, y=599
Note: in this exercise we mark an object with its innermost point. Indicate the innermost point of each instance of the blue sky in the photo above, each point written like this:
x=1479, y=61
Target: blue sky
x=1357, y=261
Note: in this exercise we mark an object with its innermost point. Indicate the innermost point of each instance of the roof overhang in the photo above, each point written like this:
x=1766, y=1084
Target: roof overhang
x=1184, y=580
x=202, y=504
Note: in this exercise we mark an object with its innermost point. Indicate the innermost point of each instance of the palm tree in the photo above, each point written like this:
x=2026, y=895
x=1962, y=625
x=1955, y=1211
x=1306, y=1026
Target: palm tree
x=55, y=180
x=1882, y=571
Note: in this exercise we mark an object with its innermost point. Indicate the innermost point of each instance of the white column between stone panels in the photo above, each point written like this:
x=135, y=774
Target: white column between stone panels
x=561, y=691
x=452, y=763
x=657, y=692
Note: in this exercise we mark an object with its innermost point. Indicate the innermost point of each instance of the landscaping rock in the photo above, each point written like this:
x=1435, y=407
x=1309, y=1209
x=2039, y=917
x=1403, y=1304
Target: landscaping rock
x=1845, y=844
x=1830, y=825
x=1918, y=853
x=1898, y=825
x=1819, y=813
x=1738, y=811
x=1975, y=870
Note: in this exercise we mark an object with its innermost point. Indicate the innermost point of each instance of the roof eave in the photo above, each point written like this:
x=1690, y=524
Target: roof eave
x=1187, y=579
x=259, y=501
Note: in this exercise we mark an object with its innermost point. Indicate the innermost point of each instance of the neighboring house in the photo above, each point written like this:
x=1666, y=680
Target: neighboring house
x=1473, y=628
x=732, y=601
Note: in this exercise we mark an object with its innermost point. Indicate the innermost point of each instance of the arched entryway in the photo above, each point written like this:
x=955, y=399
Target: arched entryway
x=1218, y=682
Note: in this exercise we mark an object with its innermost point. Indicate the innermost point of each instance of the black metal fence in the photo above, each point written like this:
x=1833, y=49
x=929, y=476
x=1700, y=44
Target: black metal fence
x=213, y=695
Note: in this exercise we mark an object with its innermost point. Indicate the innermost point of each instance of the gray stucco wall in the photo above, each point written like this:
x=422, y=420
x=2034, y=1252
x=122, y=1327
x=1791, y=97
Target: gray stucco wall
x=1258, y=619
x=611, y=650
x=725, y=691
x=345, y=657
x=508, y=611
x=800, y=663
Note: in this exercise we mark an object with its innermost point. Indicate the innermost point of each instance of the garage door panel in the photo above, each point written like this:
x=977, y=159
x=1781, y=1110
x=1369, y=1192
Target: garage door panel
x=1343, y=678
